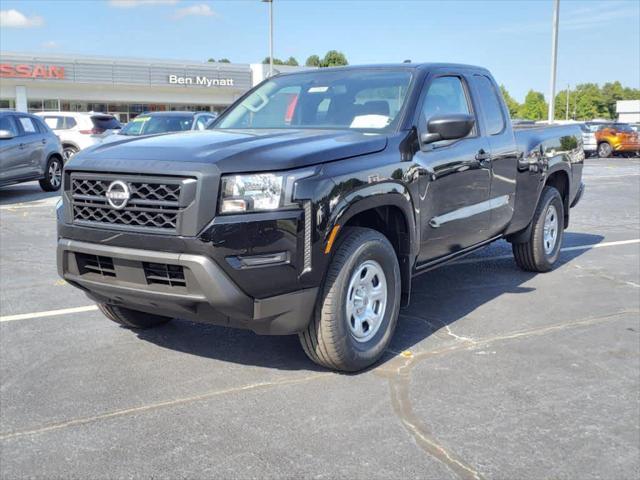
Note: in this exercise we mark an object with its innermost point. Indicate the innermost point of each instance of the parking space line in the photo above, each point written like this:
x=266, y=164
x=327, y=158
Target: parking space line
x=49, y=313
x=90, y=308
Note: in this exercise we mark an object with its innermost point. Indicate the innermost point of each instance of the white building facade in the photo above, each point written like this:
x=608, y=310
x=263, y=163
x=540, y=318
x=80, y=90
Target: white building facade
x=628, y=111
x=124, y=87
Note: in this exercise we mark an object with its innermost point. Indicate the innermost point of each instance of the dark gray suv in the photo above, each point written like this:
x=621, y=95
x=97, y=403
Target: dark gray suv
x=29, y=150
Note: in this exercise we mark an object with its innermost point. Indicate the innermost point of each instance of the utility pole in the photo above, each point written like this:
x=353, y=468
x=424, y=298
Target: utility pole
x=554, y=59
x=568, y=90
x=270, y=2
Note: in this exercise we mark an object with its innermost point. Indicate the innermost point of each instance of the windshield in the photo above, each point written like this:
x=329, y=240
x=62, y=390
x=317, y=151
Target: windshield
x=150, y=124
x=356, y=99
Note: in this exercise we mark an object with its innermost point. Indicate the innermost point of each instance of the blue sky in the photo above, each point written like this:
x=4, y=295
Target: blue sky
x=599, y=40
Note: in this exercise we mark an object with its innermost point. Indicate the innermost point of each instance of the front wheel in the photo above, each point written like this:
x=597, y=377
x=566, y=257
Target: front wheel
x=131, y=318
x=357, y=311
x=542, y=250
x=52, y=175
x=604, y=150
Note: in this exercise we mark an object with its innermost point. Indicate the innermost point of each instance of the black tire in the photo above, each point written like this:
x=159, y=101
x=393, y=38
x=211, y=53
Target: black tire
x=68, y=151
x=532, y=255
x=52, y=175
x=132, y=318
x=328, y=339
x=604, y=150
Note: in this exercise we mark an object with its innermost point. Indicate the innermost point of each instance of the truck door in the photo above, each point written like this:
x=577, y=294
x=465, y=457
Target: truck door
x=454, y=210
x=503, y=152
x=13, y=156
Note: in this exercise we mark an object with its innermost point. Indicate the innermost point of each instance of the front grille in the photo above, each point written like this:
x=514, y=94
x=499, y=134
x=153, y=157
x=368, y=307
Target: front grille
x=163, y=274
x=153, y=204
x=95, y=264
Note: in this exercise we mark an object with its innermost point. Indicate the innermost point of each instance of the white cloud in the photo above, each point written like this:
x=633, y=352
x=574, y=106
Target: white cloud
x=15, y=19
x=51, y=44
x=199, y=10
x=138, y=3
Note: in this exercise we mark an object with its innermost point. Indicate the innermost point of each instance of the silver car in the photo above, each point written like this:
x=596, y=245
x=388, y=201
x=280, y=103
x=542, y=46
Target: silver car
x=29, y=150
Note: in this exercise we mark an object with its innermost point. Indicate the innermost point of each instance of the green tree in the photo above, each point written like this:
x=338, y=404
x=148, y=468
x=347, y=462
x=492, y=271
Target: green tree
x=589, y=103
x=561, y=105
x=534, y=106
x=276, y=61
x=612, y=92
x=313, y=61
x=334, y=58
x=224, y=60
x=211, y=60
x=292, y=61
x=512, y=104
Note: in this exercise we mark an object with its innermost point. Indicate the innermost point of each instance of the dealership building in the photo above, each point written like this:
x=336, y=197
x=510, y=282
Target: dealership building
x=124, y=87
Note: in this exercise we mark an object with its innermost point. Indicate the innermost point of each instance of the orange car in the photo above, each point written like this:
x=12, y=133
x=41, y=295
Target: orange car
x=617, y=137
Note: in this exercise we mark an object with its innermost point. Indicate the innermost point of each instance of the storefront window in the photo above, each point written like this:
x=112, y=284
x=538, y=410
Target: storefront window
x=123, y=111
x=51, y=105
x=7, y=103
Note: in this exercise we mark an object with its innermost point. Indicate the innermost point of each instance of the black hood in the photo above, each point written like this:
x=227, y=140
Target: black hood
x=236, y=150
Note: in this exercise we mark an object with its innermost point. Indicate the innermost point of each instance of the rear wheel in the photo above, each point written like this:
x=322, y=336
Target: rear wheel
x=358, y=308
x=542, y=250
x=52, y=175
x=68, y=151
x=604, y=150
x=131, y=318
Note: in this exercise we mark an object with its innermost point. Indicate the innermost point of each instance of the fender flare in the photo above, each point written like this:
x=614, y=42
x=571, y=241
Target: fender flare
x=553, y=167
x=383, y=194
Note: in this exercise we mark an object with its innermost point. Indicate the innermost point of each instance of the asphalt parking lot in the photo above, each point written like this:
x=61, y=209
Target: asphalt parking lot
x=493, y=372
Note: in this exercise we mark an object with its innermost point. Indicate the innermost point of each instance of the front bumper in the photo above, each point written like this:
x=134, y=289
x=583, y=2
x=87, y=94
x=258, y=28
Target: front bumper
x=208, y=294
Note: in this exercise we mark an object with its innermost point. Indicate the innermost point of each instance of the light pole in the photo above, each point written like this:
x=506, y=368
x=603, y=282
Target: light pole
x=270, y=2
x=554, y=59
x=568, y=91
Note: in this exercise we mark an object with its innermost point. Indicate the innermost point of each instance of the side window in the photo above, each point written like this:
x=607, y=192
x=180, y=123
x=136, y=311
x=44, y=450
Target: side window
x=7, y=123
x=446, y=95
x=490, y=103
x=42, y=128
x=202, y=121
x=28, y=127
x=69, y=122
x=55, y=123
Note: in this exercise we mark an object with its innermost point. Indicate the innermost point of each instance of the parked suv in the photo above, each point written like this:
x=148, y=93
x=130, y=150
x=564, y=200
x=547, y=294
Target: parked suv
x=163, y=122
x=617, y=138
x=29, y=150
x=79, y=130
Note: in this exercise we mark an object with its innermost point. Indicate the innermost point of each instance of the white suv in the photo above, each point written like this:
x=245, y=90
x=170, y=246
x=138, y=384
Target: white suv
x=78, y=130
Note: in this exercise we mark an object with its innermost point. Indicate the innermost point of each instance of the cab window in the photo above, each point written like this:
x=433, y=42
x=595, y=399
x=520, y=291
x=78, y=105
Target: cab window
x=490, y=104
x=445, y=96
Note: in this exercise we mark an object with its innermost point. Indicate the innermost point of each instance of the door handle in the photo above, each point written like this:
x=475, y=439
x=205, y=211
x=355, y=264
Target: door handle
x=483, y=155
x=483, y=158
x=44, y=140
x=21, y=146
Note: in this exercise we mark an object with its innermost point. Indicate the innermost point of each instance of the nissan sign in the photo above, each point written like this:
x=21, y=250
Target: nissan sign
x=31, y=71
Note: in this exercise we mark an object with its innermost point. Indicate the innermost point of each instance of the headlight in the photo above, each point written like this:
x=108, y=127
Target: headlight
x=259, y=191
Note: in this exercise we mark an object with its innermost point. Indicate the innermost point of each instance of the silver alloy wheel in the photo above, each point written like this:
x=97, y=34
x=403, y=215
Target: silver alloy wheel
x=67, y=153
x=366, y=300
x=550, y=229
x=604, y=150
x=55, y=174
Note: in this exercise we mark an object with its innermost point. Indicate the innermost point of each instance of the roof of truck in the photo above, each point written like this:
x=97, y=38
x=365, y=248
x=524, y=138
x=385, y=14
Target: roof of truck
x=413, y=66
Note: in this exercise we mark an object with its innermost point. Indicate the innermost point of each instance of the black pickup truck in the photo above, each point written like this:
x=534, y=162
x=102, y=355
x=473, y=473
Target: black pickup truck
x=311, y=203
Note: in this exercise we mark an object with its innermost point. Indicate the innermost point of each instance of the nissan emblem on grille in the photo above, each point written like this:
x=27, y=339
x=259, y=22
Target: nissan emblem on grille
x=118, y=194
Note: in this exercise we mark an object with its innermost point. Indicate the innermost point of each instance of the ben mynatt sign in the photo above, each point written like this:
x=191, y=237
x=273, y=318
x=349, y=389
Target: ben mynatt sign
x=201, y=80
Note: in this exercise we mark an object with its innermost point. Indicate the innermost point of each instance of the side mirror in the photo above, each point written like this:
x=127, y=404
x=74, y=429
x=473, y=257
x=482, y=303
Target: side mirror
x=448, y=127
x=6, y=135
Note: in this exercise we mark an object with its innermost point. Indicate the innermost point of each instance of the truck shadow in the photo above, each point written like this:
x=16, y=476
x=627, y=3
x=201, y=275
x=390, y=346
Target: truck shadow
x=24, y=192
x=439, y=298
